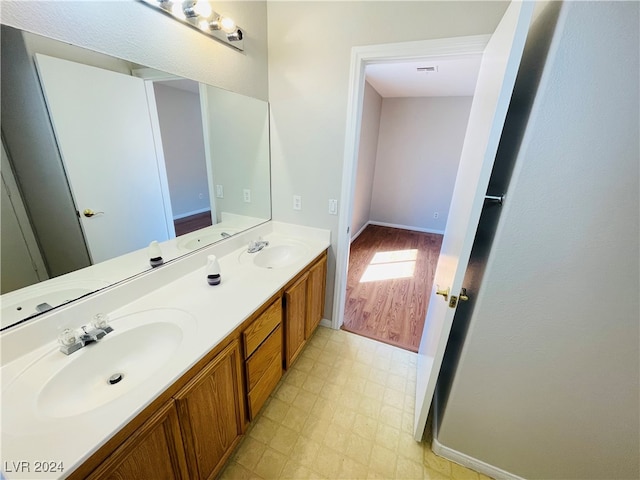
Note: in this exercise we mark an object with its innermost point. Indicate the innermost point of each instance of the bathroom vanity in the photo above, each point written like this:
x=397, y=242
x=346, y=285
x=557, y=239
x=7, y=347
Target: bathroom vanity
x=197, y=363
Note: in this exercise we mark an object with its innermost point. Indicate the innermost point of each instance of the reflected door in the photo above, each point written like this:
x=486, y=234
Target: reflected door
x=496, y=78
x=104, y=133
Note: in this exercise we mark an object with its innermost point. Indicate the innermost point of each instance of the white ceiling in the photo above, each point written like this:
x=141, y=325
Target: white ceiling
x=456, y=77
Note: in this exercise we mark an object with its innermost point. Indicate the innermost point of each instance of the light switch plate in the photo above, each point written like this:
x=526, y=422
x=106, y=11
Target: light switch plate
x=219, y=191
x=246, y=194
x=333, y=206
x=297, y=202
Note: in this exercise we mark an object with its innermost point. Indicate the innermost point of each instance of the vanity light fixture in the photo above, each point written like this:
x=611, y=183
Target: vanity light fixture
x=199, y=15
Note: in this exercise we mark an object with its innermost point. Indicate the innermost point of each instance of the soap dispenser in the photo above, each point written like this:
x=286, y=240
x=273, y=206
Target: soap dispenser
x=213, y=270
x=155, y=255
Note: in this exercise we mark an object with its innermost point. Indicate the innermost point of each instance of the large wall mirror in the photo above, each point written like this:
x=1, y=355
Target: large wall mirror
x=101, y=157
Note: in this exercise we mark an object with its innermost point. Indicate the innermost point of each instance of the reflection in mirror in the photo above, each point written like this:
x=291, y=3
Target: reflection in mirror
x=100, y=157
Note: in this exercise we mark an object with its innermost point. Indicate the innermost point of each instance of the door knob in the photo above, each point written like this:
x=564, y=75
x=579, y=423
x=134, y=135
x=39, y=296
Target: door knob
x=463, y=295
x=90, y=213
x=443, y=292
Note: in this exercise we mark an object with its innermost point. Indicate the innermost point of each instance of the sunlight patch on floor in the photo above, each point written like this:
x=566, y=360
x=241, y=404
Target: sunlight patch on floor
x=391, y=265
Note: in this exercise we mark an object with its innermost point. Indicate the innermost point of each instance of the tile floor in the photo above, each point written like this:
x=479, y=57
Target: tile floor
x=344, y=410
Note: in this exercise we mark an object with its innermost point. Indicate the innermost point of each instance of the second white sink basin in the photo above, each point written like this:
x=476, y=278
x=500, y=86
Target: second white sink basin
x=64, y=386
x=205, y=237
x=278, y=256
x=275, y=256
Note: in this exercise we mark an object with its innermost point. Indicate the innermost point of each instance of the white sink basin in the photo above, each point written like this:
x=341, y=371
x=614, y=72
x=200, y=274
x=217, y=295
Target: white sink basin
x=24, y=303
x=58, y=386
x=275, y=256
x=205, y=237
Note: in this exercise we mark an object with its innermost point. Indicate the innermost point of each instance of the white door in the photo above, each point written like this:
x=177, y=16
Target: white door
x=496, y=78
x=104, y=133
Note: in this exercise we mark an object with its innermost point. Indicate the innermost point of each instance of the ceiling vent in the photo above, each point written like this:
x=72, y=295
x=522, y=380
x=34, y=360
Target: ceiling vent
x=432, y=69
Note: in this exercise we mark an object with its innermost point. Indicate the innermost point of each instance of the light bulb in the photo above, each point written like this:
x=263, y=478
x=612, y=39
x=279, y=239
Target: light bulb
x=227, y=25
x=178, y=11
x=202, y=8
x=203, y=25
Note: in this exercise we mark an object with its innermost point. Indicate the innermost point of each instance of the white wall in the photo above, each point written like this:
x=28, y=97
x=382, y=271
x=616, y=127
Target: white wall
x=419, y=148
x=371, y=108
x=183, y=145
x=238, y=145
x=309, y=53
x=138, y=33
x=547, y=385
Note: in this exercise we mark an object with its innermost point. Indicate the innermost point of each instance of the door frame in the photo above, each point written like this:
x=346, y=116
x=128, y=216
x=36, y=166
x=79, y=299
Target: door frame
x=22, y=217
x=160, y=161
x=360, y=58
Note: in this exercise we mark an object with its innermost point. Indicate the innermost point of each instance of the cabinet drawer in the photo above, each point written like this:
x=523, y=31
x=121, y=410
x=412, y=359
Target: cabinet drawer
x=261, y=327
x=263, y=357
x=259, y=394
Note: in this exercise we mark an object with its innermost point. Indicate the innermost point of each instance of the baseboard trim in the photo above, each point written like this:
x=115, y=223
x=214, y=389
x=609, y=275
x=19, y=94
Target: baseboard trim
x=406, y=227
x=360, y=231
x=326, y=323
x=395, y=225
x=193, y=212
x=471, y=462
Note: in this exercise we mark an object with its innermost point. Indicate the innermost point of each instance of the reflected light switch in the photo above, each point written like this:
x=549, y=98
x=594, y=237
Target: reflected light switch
x=219, y=191
x=246, y=194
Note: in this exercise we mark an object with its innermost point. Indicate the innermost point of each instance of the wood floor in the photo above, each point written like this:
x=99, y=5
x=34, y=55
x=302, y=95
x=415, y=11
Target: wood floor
x=388, y=284
x=192, y=223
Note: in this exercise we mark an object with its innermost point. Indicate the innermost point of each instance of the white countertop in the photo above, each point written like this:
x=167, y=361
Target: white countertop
x=20, y=304
x=31, y=437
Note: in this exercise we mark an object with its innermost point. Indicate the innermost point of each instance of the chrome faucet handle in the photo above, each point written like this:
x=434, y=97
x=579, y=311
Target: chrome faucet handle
x=101, y=322
x=70, y=341
x=67, y=337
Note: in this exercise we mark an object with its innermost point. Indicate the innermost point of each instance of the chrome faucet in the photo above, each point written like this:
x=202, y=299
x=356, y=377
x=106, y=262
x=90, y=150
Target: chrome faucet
x=71, y=341
x=257, y=245
x=93, y=335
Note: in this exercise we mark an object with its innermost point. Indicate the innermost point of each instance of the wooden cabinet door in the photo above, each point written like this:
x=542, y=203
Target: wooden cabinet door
x=211, y=412
x=153, y=451
x=315, y=295
x=295, y=307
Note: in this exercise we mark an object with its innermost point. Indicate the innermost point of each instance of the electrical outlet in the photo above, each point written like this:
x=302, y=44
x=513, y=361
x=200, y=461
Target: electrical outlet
x=297, y=202
x=219, y=191
x=246, y=193
x=333, y=206
x=436, y=215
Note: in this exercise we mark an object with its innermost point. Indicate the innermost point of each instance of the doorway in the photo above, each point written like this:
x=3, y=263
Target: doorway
x=178, y=106
x=502, y=52
x=412, y=128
